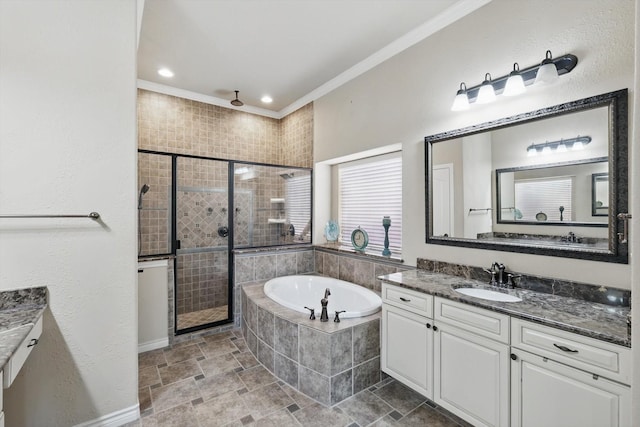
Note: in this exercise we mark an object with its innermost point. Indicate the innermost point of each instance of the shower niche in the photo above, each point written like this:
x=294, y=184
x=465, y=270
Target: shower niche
x=200, y=209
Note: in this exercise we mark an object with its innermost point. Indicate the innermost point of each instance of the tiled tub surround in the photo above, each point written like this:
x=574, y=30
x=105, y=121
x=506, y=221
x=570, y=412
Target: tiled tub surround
x=591, y=319
x=262, y=264
x=19, y=310
x=361, y=269
x=328, y=362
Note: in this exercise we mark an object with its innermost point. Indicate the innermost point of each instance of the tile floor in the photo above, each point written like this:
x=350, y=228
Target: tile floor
x=215, y=381
x=202, y=317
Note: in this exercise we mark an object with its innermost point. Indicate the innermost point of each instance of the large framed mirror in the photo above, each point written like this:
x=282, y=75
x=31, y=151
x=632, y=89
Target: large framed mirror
x=548, y=182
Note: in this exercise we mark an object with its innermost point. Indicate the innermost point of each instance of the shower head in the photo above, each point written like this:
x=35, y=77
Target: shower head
x=143, y=191
x=236, y=102
x=286, y=175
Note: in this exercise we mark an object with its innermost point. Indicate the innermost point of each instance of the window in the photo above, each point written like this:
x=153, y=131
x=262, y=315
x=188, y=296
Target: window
x=370, y=189
x=547, y=196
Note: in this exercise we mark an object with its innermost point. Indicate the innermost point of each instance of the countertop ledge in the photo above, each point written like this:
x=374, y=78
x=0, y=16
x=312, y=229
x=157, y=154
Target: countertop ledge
x=594, y=320
x=19, y=311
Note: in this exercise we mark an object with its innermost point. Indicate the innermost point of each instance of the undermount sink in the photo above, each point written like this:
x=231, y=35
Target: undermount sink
x=488, y=294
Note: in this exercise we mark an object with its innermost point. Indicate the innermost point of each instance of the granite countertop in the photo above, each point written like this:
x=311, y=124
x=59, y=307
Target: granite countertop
x=591, y=319
x=19, y=311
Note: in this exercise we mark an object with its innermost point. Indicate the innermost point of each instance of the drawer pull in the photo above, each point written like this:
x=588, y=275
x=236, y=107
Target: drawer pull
x=563, y=348
x=33, y=342
x=405, y=299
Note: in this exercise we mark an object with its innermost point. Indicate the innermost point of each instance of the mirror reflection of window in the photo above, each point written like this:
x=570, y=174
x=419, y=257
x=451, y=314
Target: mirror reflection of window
x=546, y=199
x=600, y=194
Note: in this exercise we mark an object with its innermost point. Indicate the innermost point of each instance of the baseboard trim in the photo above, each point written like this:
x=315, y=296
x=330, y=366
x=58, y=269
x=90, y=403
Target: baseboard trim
x=152, y=345
x=115, y=419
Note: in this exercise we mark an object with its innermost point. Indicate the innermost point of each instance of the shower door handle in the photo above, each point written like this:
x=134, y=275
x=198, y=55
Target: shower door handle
x=177, y=242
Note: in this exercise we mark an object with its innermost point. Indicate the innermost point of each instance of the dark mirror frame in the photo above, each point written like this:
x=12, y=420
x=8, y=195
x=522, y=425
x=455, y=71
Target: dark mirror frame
x=617, y=103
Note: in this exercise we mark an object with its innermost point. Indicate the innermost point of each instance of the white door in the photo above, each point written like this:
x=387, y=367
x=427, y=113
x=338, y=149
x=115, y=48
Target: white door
x=547, y=393
x=407, y=349
x=471, y=376
x=442, y=188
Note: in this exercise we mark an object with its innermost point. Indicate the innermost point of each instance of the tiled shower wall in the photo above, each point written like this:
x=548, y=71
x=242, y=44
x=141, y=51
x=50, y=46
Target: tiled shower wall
x=155, y=224
x=175, y=125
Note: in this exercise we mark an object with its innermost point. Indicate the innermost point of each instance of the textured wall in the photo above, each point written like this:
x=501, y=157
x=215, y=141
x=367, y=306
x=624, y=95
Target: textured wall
x=418, y=86
x=68, y=146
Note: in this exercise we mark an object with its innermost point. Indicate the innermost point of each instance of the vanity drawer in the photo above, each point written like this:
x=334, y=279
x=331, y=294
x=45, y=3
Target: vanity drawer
x=416, y=302
x=472, y=319
x=18, y=358
x=589, y=354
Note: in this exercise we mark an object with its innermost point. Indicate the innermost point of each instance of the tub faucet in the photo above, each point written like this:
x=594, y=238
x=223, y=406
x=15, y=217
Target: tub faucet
x=324, y=316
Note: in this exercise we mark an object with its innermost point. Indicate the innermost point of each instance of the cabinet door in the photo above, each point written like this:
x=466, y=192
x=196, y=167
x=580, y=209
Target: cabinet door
x=547, y=393
x=471, y=376
x=407, y=349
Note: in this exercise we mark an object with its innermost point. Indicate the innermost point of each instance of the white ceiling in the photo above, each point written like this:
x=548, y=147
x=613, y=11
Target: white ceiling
x=292, y=50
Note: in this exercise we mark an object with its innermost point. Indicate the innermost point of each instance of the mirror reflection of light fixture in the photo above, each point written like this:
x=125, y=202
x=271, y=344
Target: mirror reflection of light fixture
x=461, y=101
x=552, y=67
x=515, y=83
x=559, y=146
x=547, y=73
x=486, y=93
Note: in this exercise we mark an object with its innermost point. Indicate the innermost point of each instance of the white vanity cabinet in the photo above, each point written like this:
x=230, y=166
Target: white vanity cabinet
x=407, y=338
x=559, y=379
x=471, y=363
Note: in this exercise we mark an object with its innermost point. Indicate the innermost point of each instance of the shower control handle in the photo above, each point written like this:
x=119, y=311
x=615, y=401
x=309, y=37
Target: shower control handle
x=223, y=231
x=312, y=315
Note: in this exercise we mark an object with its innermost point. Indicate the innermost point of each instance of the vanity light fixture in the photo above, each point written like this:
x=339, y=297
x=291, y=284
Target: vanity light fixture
x=515, y=83
x=461, y=101
x=547, y=73
x=545, y=70
x=559, y=146
x=487, y=93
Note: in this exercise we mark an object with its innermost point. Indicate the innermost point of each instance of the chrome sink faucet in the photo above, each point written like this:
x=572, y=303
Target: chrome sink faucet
x=324, y=316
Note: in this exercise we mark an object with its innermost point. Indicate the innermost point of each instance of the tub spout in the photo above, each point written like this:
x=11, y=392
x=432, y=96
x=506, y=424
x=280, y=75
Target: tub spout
x=324, y=315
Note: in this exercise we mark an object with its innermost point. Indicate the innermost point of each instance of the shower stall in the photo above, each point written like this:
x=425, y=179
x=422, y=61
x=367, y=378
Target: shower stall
x=198, y=210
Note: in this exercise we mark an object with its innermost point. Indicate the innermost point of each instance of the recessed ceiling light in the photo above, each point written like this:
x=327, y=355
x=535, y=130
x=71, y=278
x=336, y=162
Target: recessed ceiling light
x=165, y=72
x=266, y=99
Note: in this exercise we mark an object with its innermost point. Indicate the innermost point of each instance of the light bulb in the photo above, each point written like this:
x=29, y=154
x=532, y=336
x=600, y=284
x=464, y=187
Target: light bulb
x=486, y=93
x=547, y=73
x=577, y=146
x=562, y=148
x=531, y=151
x=461, y=101
x=546, y=150
x=515, y=83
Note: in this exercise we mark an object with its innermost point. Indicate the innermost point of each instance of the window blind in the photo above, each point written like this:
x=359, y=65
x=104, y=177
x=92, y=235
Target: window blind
x=533, y=196
x=369, y=190
x=298, y=202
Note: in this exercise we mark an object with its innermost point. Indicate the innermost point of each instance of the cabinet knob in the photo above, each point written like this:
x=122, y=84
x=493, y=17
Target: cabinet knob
x=435, y=328
x=514, y=357
x=428, y=325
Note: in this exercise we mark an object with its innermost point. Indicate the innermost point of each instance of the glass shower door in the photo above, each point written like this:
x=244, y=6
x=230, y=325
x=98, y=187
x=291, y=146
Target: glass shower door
x=202, y=237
